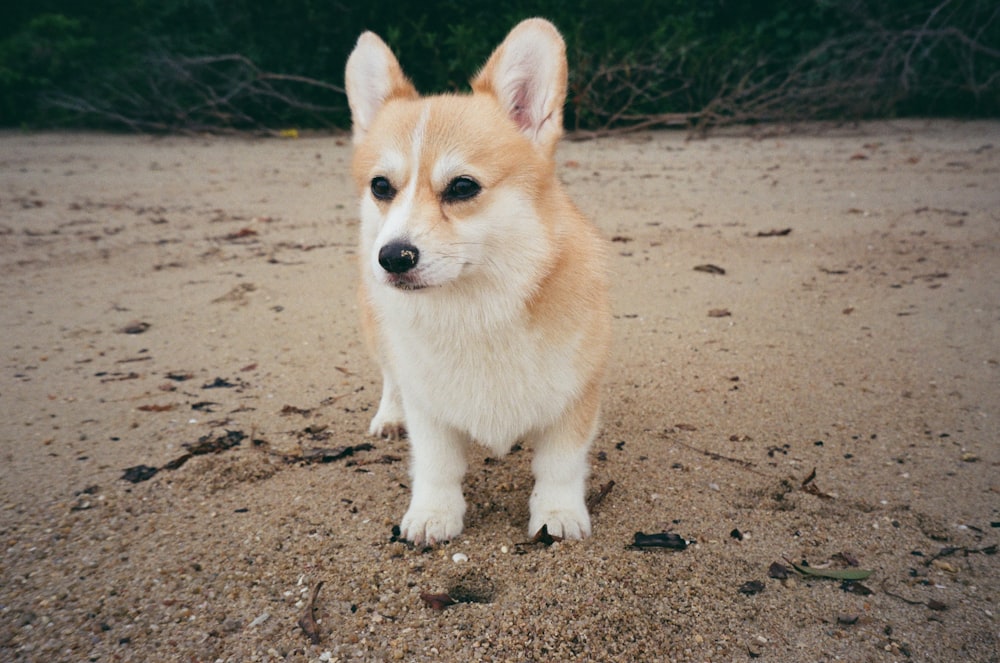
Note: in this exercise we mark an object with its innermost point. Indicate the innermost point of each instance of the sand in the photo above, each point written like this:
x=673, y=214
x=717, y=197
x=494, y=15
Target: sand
x=158, y=291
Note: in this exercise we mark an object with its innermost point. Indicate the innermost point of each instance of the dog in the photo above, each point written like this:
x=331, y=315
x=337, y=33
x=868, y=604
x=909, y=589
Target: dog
x=484, y=292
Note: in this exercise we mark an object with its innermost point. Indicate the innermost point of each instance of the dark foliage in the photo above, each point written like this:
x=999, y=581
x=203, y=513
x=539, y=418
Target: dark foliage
x=242, y=64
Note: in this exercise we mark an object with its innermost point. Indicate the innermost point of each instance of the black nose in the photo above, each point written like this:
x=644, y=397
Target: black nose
x=398, y=257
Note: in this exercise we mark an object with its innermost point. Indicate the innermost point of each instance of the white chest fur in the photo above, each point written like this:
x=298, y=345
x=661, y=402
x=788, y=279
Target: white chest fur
x=481, y=370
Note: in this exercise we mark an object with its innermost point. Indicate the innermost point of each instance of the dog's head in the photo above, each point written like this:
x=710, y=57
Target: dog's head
x=451, y=185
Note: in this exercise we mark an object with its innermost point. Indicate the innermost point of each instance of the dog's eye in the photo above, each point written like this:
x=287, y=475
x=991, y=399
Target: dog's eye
x=382, y=188
x=461, y=188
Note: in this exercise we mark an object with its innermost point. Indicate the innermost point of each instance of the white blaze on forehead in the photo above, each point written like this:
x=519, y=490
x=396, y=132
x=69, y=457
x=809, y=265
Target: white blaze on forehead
x=417, y=139
x=396, y=225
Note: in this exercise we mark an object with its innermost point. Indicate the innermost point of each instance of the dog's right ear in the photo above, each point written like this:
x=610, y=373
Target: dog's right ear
x=372, y=77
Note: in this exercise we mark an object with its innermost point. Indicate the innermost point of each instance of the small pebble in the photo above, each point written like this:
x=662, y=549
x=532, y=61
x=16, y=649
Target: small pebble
x=459, y=558
x=263, y=617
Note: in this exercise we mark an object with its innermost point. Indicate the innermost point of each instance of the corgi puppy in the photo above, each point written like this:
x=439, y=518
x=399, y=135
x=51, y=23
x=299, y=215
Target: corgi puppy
x=483, y=288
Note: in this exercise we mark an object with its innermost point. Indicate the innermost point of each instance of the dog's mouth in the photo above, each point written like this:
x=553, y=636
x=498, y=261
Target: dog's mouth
x=405, y=282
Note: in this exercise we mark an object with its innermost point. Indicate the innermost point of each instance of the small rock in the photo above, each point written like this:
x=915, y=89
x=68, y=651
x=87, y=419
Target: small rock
x=751, y=587
x=459, y=558
x=263, y=617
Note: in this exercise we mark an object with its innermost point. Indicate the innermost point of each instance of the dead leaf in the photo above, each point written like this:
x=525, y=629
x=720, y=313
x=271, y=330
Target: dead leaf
x=218, y=383
x=599, y=496
x=156, y=408
x=777, y=571
x=542, y=536
x=206, y=444
x=836, y=574
x=667, y=540
x=774, y=233
x=139, y=473
x=177, y=376
x=323, y=455
x=719, y=313
x=710, y=269
x=855, y=587
x=437, y=601
x=291, y=409
x=809, y=487
x=308, y=620
x=135, y=327
x=243, y=233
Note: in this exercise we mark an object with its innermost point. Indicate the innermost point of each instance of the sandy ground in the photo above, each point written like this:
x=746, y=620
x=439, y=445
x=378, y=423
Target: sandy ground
x=161, y=291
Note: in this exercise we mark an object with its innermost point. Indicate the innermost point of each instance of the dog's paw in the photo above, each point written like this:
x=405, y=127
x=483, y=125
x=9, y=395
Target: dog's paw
x=388, y=426
x=570, y=523
x=387, y=430
x=430, y=526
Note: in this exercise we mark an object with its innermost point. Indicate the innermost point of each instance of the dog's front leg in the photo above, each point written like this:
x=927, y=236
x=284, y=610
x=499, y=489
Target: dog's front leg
x=437, y=468
x=388, y=421
x=561, y=468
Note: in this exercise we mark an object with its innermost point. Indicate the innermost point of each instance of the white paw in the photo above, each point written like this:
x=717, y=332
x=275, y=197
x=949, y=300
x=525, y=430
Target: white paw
x=388, y=421
x=431, y=526
x=387, y=428
x=566, y=524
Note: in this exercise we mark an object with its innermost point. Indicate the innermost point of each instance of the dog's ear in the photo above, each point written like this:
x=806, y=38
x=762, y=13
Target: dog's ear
x=527, y=75
x=372, y=77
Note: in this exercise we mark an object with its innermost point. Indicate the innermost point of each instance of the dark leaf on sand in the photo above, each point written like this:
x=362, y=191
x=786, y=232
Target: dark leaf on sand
x=291, y=409
x=775, y=233
x=208, y=445
x=710, y=269
x=751, y=587
x=139, y=473
x=156, y=408
x=542, y=536
x=667, y=540
x=177, y=462
x=205, y=445
x=178, y=376
x=855, y=587
x=599, y=496
x=777, y=571
x=809, y=487
x=437, y=601
x=135, y=327
x=218, y=383
x=321, y=455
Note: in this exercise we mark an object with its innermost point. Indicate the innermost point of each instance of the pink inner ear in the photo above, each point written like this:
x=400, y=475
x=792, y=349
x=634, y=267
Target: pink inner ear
x=520, y=107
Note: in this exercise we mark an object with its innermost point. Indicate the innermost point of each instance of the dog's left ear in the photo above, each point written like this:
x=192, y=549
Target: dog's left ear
x=527, y=75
